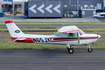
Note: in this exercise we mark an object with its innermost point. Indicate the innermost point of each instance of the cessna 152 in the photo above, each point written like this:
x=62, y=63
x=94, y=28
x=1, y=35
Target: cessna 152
x=68, y=35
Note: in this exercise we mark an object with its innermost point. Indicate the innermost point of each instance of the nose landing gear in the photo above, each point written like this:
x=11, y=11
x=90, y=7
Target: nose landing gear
x=89, y=49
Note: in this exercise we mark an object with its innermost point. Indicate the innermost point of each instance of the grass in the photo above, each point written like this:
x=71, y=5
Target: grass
x=35, y=23
x=5, y=29
x=6, y=43
x=31, y=29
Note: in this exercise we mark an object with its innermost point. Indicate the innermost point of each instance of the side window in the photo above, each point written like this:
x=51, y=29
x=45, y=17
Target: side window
x=72, y=34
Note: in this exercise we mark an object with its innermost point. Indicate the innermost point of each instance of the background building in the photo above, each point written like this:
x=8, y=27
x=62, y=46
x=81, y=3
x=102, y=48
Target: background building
x=83, y=8
x=53, y=8
x=70, y=8
x=12, y=6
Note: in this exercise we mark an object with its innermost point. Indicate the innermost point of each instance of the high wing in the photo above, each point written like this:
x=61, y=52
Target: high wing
x=72, y=31
x=69, y=29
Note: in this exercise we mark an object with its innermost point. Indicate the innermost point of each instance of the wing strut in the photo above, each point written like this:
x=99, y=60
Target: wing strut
x=78, y=37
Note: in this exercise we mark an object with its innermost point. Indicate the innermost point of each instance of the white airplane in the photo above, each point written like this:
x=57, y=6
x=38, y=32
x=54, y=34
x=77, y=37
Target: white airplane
x=68, y=35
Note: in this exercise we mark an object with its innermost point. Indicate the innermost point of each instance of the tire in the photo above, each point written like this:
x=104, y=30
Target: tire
x=90, y=49
x=71, y=50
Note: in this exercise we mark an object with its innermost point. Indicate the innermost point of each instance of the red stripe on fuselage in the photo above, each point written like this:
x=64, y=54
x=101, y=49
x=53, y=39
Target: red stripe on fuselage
x=27, y=40
x=83, y=38
x=63, y=40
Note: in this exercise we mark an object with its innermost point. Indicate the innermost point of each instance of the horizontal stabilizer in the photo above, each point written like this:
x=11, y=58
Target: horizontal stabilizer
x=19, y=39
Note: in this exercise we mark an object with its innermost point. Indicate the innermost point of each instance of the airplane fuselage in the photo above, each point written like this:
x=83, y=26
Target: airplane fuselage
x=52, y=39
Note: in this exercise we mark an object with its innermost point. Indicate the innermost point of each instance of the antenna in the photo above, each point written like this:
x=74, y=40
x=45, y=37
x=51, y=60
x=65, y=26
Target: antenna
x=63, y=24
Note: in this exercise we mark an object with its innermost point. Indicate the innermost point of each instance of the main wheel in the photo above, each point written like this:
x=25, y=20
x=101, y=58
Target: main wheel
x=90, y=49
x=71, y=50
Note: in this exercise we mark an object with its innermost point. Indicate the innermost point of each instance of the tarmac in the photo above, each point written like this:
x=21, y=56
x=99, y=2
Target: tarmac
x=61, y=20
x=55, y=26
x=24, y=19
x=55, y=59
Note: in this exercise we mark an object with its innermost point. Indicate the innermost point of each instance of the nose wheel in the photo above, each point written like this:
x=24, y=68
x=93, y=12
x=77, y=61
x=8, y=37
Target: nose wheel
x=90, y=49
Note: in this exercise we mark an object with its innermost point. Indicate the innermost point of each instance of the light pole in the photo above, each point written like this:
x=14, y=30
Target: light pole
x=69, y=4
x=0, y=6
x=12, y=7
x=78, y=7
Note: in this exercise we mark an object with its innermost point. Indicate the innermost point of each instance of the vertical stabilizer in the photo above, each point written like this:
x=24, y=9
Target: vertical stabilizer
x=13, y=29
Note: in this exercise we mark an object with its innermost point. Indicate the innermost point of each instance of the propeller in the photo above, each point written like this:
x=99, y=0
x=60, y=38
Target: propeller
x=98, y=36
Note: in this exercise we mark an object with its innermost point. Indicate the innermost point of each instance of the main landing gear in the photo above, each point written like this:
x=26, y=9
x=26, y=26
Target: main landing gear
x=71, y=50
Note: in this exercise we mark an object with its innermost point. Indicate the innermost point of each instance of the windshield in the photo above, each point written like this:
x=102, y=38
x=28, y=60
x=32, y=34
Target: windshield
x=59, y=34
x=81, y=32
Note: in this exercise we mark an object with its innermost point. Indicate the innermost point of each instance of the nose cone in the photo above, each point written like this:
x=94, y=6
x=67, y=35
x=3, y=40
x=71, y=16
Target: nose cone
x=99, y=36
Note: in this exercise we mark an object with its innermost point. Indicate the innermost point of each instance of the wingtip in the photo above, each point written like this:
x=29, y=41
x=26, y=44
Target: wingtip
x=8, y=21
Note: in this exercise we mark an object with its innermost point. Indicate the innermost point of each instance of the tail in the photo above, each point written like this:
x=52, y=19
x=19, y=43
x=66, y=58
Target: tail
x=14, y=31
x=16, y=34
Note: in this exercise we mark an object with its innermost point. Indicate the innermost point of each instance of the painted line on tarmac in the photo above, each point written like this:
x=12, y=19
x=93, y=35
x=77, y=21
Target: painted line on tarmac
x=52, y=57
x=16, y=20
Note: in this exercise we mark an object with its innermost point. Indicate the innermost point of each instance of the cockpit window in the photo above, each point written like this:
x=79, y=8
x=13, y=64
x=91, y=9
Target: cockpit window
x=72, y=34
x=81, y=32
